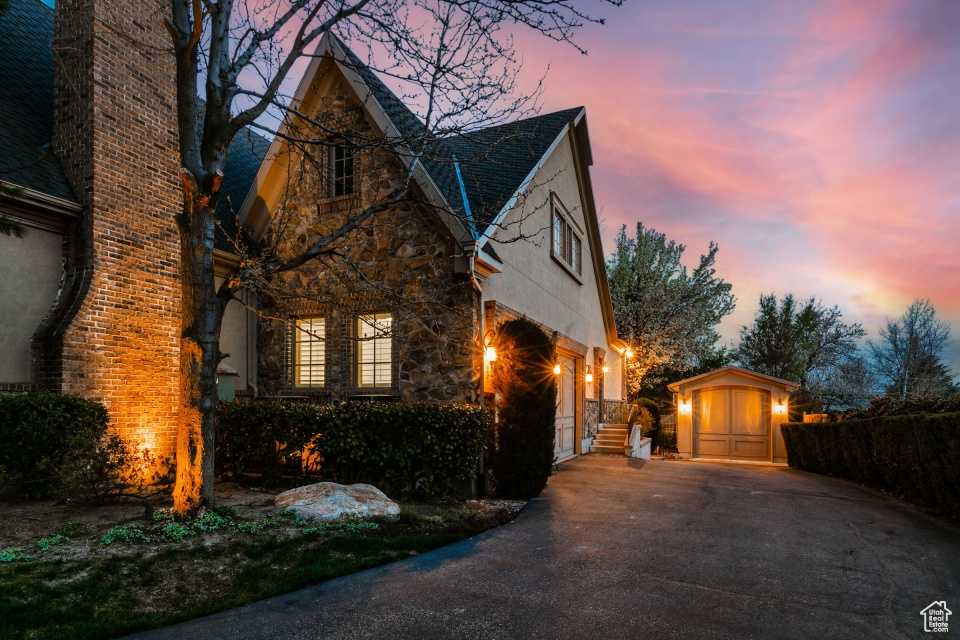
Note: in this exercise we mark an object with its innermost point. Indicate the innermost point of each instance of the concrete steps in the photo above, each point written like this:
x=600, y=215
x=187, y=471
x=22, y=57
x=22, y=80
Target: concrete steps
x=610, y=439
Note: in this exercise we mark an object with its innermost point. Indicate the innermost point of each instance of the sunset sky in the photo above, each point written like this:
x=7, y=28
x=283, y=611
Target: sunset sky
x=817, y=142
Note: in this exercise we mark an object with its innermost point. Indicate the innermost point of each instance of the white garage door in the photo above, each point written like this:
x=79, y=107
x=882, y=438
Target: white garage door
x=731, y=423
x=566, y=408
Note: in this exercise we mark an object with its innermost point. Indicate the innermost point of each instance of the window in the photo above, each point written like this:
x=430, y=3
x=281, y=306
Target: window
x=567, y=245
x=342, y=171
x=374, y=350
x=309, y=357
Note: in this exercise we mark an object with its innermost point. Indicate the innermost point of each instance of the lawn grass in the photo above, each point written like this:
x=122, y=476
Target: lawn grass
x=114, y=596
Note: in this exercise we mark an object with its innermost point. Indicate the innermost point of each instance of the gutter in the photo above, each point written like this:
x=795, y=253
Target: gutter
x=471, y=269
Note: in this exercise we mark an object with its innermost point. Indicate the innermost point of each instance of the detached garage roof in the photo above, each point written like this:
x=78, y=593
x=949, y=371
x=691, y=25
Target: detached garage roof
x=730, y=369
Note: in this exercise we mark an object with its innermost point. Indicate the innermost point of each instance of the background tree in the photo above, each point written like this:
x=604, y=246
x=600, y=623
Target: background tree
x=664, y=312
x=801, y=341
x=908, y=357
x=455, y=61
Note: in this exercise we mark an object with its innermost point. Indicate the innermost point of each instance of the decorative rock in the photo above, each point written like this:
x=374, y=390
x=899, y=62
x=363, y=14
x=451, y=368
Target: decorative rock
x=332, y=502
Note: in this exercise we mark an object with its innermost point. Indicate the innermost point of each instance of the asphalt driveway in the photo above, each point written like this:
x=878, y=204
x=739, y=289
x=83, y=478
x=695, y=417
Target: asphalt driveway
x=619, y=548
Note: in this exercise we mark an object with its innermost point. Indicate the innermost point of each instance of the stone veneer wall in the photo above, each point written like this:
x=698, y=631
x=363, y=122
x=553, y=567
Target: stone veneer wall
x=591, y=418
x=408, y=258
x=113, y=334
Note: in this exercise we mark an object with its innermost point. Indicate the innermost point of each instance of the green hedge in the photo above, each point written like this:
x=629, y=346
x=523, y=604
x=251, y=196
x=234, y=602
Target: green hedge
x=54, y=444
x=885, y=406
x=917, y=456
x=406, y=448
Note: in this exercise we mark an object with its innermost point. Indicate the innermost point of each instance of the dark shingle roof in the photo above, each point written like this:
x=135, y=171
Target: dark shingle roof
x=493, y=161
x=26, y=100
x=244, y=158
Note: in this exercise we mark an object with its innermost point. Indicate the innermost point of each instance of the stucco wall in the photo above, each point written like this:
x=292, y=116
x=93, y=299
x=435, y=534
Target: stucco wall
x=534, y=284
x=238, y=337
x=31, y=269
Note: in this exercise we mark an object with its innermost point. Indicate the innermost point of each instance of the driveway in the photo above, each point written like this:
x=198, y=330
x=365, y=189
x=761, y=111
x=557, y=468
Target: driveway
x=619, y=548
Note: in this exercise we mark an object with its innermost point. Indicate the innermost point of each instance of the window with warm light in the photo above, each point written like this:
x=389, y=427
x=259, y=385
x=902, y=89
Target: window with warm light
x=375, y=350
x=309, y=352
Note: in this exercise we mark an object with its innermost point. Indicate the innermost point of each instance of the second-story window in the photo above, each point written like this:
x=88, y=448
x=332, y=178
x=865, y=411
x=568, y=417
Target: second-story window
x=567, y=245
x=343, y=171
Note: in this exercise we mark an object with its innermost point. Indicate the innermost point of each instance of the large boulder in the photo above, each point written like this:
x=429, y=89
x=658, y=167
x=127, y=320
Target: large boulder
x=332, y=502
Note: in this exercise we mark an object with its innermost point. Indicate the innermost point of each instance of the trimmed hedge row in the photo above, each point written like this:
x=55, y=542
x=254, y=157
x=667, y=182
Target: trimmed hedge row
x=917, y=456
x=55, y=444
x=407, y=448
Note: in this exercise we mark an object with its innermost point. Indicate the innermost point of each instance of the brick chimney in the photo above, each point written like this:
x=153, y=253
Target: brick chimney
x=113, y=334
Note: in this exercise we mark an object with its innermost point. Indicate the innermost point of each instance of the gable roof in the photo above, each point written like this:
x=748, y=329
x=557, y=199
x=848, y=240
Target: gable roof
x=246, y=154
x=494, y=161
x=26, y=128
x=787, y=384
x=26, y=101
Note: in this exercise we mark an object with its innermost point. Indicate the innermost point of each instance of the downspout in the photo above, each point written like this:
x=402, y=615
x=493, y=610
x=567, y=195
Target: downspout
x=478, y=488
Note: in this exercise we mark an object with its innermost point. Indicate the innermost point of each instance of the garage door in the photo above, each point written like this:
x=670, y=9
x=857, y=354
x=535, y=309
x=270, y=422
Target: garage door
x=731, y=423
x=566, y=408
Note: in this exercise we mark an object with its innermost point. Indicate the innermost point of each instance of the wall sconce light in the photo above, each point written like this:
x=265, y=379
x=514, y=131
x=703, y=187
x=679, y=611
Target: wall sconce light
x=605, y=369
x=628, y=353
x=780, y=407
x=489, y=352
x=556, y=369
x=685, y=407
x=589, y=377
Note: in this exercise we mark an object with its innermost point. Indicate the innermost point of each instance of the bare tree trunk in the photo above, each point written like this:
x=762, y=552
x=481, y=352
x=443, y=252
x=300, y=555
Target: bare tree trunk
x=199, y=354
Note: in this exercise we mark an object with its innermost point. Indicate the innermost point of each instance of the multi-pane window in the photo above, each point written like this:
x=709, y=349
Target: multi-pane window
x=567, y=245
x=309, y=364
x=374, y=350
x=342, y=171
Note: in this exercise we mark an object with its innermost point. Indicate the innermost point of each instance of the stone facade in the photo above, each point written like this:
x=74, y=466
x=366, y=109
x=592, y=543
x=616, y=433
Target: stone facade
x=113, y=334
x=400, y=261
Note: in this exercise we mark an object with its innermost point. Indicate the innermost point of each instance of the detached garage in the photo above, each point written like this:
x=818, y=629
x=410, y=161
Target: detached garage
x=732, y=414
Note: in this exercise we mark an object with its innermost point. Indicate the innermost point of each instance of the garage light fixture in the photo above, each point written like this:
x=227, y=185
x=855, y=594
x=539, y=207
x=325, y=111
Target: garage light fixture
x=780, y=407
x=685, y=407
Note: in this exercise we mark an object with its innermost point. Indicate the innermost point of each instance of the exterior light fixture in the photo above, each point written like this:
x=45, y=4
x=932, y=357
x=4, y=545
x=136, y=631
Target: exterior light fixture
x=605, y=369
x=685, y=407
x=780, y=407
x=628, y=353
x=489, y=351
x=589, y=377
x=556, y=369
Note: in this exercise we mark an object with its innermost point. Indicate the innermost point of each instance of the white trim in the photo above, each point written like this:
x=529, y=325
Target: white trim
x=790, y=386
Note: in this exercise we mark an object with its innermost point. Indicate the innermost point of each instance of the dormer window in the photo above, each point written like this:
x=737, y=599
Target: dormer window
x=567, y=246
x=342, y=175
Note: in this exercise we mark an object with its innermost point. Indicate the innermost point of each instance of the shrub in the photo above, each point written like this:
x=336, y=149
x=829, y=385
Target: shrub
x=646, y=413
x=405, y=448
x=917, y=456
x=55, y=443
x=526, y=410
